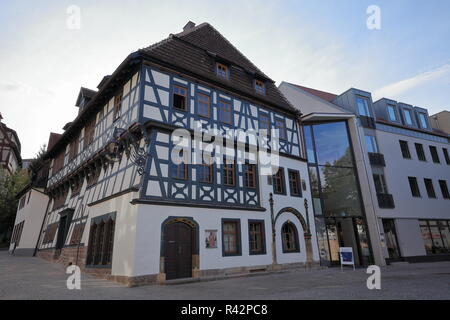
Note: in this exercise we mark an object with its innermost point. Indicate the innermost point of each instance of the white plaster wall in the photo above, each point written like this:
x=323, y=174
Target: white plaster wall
x=150, y=218
x=398, y=170
x=33, y=214
x=125, y=231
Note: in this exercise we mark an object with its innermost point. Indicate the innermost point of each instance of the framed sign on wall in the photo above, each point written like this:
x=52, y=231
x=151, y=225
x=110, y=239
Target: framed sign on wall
x=211, y=239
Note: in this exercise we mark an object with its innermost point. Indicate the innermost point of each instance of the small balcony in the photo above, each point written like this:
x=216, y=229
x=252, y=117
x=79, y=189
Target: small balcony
x=367, y=122
x=385, y=201
x=377, y=159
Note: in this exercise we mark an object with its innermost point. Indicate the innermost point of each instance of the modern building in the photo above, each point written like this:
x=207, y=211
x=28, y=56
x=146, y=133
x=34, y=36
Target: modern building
x=122, y=206
x=10, y=159
x=379, y=174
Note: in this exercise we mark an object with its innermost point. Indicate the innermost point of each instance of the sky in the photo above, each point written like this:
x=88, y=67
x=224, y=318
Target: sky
x=324, y=44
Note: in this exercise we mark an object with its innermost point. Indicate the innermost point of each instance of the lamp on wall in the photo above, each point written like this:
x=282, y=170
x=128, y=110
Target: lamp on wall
x=126, y=141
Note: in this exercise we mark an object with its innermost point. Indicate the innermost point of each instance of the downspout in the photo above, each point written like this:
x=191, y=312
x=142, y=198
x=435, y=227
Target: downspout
x=42, y=228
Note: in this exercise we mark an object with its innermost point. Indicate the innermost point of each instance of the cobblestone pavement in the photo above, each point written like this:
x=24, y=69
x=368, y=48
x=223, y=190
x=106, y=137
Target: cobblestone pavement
x=34, y=278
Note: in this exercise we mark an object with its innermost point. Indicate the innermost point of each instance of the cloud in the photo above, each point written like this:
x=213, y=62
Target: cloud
x=394, y=90
x=20, y=87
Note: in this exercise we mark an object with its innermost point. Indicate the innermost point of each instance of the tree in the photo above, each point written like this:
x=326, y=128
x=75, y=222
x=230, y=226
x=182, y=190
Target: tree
x=10, y=186
x=38, y=161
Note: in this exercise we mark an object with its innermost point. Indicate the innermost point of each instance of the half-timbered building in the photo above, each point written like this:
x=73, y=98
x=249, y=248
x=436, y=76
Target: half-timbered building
x=121, y=206
x=10, y=159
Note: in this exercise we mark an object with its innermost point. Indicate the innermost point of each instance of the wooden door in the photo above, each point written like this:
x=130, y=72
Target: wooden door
x=178, y=251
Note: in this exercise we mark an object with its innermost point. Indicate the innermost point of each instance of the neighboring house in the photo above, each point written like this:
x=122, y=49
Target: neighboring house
x=441, y=121
x=400, y=180
x=10, y=158
x=33, y=203
x=121, y=207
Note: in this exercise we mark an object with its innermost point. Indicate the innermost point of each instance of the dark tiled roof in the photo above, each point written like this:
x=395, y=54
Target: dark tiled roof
x=103, y=81
x=85, y=93
x=54, y=137
x=195, y=50
x=88, y=93
x=321, y=94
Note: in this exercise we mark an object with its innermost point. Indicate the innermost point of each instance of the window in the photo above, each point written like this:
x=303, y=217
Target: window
x=430, y=188
x=294, y=183
x=89, y=132
x=17, y=233
x=180, y=171
x=73, y=150
x=117, y=106
x=423, y=121
x=101, y=241
x=363, y=106
x=420, y=153
x=415, y=191
x=264, y=122
x=281, y=127
x=222, y=71
x=289, y=237
x=206, y=172
x=447, y=158
x=250, y=175
x=228, y=173
x=444, y=189
x=278, y=182
x=231, y=237
x=391, y=113
x=405, y=149
x=371, y=144
x=77, y=234
x=225, y=113
x=436, y=236
x=434, y=154
x=256, y=237
x=408, y=118
x=204, y=106
x=50, y=233
x=380, y=184
x=60, y=200
x=179, y=98
x=22, y=202
x=260, y=87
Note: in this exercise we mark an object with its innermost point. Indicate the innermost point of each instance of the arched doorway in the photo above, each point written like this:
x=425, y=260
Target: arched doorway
x=179, y=252
x=306, y=231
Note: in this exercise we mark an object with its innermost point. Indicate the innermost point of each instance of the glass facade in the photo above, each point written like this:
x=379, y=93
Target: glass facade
x=436, y=236
x=336, y=197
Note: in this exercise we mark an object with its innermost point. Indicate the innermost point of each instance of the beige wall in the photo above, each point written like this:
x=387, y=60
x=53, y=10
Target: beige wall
x=441, y=121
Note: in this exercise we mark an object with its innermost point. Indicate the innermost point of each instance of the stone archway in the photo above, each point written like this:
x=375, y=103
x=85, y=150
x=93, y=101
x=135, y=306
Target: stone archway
x=193, y=226
x=306, y=231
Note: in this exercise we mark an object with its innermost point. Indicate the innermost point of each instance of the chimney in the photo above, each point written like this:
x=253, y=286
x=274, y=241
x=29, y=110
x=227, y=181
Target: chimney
x=189, y=26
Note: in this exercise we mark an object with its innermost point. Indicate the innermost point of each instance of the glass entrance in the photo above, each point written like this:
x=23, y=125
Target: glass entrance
x=390, y=236
x=348, y=232
x=339, y=214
